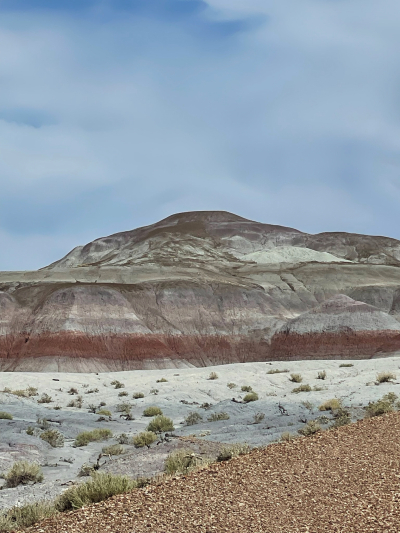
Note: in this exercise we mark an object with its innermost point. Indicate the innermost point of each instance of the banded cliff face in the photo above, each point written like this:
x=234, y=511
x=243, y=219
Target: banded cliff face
x=203, y=288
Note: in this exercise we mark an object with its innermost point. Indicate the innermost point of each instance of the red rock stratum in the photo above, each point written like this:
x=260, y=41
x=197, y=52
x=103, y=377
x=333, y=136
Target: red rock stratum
x=203, y=288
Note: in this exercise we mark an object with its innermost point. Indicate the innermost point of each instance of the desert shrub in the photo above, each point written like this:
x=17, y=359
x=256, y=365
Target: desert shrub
x=5, y=416
x=323, y=419
x=246, y=388
x=390, y=397
x=296, y=378
x=193, y=418
x=277, y=371
x=104, y=412
x=96, y=435
x=182, y=461
x=154, y=391
x=310, y=428
x=114, y=449
x=308, y=405
x=321, y=375
x=53, y=437
x=341, y=417
x=32, y=391
x=145, y=438
x=26, y=515
x=102, y=404
x=258, y=417
x=43, y=423
x=152, y=411
x=316, y=388
x=206, y=405
x=92, y=408
x=122, y=393
x=231, y=385
x=380, y=407
x=45, y=398
x=123, y=438
x=137, y=395
x=213, y=375
x=123, y=407
x=22, y=473
x=330, y=405
x=302, y=388
x=20, y=393
x=99, y=488
x=287, y=437
x=160, y=423
x=30, y=430
x=91, y=391
x=73, y=390
x=76, y=403
x=117, y=384
x=215, y=417
x=385, y=377
x=233, y=450
x=345, y=365
x=57, y=408
x=250, y=397
x=162, y=380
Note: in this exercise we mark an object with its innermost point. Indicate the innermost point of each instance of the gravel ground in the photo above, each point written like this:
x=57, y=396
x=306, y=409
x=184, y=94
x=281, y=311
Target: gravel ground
x=345, y=481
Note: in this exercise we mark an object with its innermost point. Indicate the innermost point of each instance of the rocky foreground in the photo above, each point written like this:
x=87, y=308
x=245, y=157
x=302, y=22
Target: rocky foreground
x=343, y=480
x=199, y=289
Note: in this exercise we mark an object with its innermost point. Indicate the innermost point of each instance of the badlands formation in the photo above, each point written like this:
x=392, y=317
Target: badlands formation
x=200, y=289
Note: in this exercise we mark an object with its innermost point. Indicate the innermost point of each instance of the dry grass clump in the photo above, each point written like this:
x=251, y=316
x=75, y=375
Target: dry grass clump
x=117, y=384
x=113, y=449
x=346, y=365
x=22, y=473
x=104, y=412
x=122, y=393
x=287, y=437
x=53, y=437
x=277, y=371
x=152, y=411
x=5, y=416
x=215, y=417
x=250, y=397
x=76, y=403
x=310, y=428
x=123, y=438
x=183, y=461
x=385, y=377
x=99, y=488
x=73, y=390
x=160, y=424
x=213, y=375
x=162, y=380
x=296, y=378
x=246, y=388
x=146, y=438
x=321, y=375
x=193, y=418
x=26, y=515
x=45, y=398
x=137, y=395
x=124, y=407
x=341, y=418
x=330, y=405
x=258, y=417
x=302, y=388
x=380, y=407
x=96, y=435
x=233, y=450
x=231, y=385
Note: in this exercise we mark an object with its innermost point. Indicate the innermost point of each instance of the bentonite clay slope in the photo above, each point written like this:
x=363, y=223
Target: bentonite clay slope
x=343, y=480
x=195, y=289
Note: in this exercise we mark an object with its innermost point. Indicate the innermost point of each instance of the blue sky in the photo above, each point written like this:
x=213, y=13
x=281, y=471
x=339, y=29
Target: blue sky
x=117, y=113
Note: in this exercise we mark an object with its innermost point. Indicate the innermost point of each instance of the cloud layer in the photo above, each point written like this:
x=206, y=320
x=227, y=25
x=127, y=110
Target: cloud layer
x=115, y=114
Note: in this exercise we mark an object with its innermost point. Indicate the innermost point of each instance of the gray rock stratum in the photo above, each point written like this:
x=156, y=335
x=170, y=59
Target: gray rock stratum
x=203, y=288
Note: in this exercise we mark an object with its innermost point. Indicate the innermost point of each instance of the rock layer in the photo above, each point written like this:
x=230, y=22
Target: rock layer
x=203, y=288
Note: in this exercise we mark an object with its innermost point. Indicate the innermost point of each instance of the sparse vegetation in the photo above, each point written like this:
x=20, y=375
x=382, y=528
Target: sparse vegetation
x=76, y=403
x=104, y=412
x=53, y=437
x=45, y=398
x=160, y=424
x=193, y=418
x=302, y=388
x=206, y=405
x=246, y=388
x=310, y=428
x=5, y=416
x=22, y=473
x=308, y=405
x=117, y=384
x=233, y=450
x=123, y=438
x=92, y=391
x=43, y=423
x=30, y=430
x=213, y=375
x=385, y=377
x=95, y=435
x=113, y=449
x=152, y=411
x=346, y=365
x=123, y=407
x=183, y=461
x=296, y=378
x=341, y=417
x=258, y=417
x=321, y=375
x=316, y=388
x=215, y=417
x=26, y=515
x=146, y=438
x=137, y=395
x=231, y=385
x=380, y=407
x=154, y=391
x=250, y=397
x=330, y=405
x=122, y=393
x=287, y=437
x=73, y=390
x=162, y=380
x=277, y=371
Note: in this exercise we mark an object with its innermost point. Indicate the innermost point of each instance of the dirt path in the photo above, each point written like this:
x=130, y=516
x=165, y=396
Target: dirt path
x=343, y=481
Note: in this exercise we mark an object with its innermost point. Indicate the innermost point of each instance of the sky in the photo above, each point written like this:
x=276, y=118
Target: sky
x=117, y=113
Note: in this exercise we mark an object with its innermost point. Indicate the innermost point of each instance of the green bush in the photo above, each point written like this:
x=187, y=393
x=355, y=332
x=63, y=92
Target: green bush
x=385, y=377
x=160, y=424
x=183, y=461
x=233, y=450
x=213, y=375
x=246, y=388
x=98, y=489
x=26, y=515
x=250, y=397
x=53, y=437
x=95, y=435
x=114, y=449
x=5, y=416
x=296, y=378
x=22, y=473
x=152, y=411
x=302, y=388
x=146, y=438
x=137, y=395
x=215, y=417
x=310, y=428
x=193, y=418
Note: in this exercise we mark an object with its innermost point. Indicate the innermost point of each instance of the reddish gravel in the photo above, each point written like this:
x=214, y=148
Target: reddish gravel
x=344, y=481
